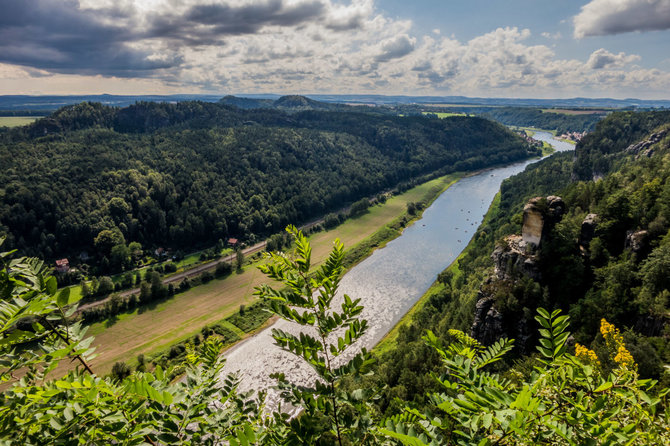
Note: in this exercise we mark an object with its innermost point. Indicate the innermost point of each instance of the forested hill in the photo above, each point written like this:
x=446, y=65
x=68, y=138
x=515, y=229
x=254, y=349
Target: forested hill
x=191, y=173
x=608, y=256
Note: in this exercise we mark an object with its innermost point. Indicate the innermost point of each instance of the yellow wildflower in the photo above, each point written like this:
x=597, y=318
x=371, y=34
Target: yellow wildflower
x=624, y=358
x=586, y=355
x=616, y=346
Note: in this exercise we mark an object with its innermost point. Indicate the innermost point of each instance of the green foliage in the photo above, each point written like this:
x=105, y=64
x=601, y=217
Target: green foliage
x=596, y=152
x=189, y=174
x=82, y=408
x=307, y=300
x=531, y=117
x=605, y=280
x=565, y=401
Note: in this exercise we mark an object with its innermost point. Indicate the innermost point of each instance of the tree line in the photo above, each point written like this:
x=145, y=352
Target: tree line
x=614, y=279
x=95, y=182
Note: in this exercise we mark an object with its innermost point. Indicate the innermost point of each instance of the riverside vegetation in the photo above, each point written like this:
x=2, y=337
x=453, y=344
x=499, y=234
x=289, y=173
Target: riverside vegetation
x=567, y=396
x=597, y=391
x=102, y=183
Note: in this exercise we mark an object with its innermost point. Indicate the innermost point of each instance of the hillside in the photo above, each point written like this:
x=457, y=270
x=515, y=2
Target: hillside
x=91, y=177
x=600, y=255
x=604, y=253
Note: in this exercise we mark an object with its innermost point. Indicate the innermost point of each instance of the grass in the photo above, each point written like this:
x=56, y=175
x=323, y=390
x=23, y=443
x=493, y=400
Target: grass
x=442, y=115
x=531, y=130
x=547, y=149
x=565, y=111
x=17, y=121
x=152, y=329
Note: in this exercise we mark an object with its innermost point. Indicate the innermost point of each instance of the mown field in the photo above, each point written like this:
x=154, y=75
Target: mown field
x=567, y=111
x=443, y=115
x=17, y=121
x=154, y=328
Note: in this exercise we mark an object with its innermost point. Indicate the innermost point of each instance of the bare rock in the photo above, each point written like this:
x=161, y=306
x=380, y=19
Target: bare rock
x=540, y=215
x=514, y=258
x=588, y=231
x=643, y=148
x=636, y=241
x=487, y=326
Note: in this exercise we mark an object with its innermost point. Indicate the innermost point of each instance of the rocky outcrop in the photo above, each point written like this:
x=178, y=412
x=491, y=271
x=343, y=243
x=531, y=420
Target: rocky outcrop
x=643, y=148
x=587, y=232
x=488, y=324
x=636, y=241
x=540, y=215
x=514, y=259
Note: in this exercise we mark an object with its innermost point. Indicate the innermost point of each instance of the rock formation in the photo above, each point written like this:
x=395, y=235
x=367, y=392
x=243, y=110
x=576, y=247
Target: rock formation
x=539, y=217
x=515, y=259
x=643, y=148
x=488, y=325
x=587, y=232
x=636, y=241
x=512, y=259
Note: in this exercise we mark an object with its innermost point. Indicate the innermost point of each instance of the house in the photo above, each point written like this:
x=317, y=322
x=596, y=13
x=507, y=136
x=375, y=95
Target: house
x=232, y=241
x=160, y=252
x=62, y=266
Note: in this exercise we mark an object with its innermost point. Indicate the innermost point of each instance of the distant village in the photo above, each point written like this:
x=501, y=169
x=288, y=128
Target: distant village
x=572, y=136
x=568, y=136
x=529, y=139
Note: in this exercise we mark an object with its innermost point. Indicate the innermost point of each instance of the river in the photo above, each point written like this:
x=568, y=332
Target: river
x=392, y=279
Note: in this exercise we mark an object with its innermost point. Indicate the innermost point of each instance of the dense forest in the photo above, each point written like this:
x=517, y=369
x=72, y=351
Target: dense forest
x=93, y=179
x=620, y=275
x=596, y=315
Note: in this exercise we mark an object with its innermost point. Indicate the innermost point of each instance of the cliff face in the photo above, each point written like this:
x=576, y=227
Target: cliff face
x=540, y=215
x=515, y=260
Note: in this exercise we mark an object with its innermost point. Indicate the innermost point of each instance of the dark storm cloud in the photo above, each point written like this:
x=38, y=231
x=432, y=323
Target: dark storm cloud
x=61, y=37
x=207, y=24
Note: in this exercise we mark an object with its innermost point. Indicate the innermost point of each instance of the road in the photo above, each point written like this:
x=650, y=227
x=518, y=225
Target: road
x=205, y=266
x=182, y=275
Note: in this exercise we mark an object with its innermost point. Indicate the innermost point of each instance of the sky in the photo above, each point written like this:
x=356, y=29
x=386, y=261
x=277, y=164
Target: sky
x=511, y=48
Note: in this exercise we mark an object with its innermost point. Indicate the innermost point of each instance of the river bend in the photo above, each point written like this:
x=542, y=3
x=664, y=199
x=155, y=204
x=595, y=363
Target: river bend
x=390, y=280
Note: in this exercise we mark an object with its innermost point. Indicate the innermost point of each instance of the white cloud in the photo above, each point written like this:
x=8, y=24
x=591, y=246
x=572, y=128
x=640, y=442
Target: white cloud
x=602, y=58
x=605, y=17
x=332, y=46
x=551, y=36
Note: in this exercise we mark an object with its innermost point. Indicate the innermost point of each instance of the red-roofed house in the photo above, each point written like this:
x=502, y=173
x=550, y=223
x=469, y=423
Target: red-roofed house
x=232, y=241
x=62, y=265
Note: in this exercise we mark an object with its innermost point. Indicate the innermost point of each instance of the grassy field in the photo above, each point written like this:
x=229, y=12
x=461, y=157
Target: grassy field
x=565, y=111
x=17, y=121
x=152, y=329
x=442, y=115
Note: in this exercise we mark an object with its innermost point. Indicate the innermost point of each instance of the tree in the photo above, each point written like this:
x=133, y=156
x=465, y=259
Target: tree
x=239, y=259
x=157, y=288
x=120, y=371
x=107, y=239
x=136, y=252
x=307, y=300
x=359, y=207
x=82, y=407
x=145, y=292
x=568, y=399
x=85, y=289
x=105, y=286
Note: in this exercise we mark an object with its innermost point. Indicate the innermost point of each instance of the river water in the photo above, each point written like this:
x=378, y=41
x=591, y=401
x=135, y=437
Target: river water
x=391, y=280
